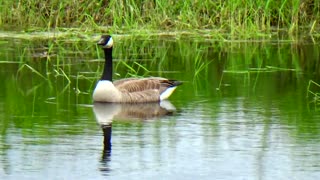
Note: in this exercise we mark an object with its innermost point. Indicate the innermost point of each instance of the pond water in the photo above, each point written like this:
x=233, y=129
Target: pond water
x=243, y=111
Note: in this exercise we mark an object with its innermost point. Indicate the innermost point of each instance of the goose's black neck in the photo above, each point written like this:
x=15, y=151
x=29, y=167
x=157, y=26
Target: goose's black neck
x=107, y=71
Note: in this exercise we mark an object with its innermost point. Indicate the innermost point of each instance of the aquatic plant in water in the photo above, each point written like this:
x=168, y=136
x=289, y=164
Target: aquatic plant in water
x=313, y=93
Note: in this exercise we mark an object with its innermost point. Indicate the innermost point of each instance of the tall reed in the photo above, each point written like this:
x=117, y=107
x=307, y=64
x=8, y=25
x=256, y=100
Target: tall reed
x=234, y=16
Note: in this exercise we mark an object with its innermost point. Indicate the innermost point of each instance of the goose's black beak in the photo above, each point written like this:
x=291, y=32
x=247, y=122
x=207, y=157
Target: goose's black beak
x=102, y=41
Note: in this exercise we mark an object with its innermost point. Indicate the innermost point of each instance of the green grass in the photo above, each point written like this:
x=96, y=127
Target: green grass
x=313, y=93
x=234, y=17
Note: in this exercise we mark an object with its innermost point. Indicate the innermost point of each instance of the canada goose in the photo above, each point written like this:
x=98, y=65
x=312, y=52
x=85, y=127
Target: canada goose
x=130, y=90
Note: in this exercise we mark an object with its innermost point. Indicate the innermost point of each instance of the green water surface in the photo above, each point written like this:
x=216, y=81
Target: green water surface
x=243, y=111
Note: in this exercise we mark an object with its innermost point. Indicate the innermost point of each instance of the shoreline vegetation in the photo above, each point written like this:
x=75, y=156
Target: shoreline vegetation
x=234, y=19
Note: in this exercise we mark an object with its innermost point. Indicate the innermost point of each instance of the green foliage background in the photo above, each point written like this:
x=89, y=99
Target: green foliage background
x=232, y=16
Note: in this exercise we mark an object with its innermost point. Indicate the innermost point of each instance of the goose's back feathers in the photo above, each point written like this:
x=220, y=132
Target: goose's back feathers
x=150, y=95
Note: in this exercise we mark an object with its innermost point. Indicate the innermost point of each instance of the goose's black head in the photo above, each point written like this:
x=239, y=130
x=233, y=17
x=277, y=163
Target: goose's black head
x=106, y=41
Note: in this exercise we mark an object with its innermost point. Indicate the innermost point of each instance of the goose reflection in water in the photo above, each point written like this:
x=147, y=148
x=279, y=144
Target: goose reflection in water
x=105, y=113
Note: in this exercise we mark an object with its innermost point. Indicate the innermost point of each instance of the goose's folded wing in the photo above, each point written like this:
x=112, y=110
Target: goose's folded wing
x=123, y=81
x=137, y=85
x=150, y=95
x=142, y=84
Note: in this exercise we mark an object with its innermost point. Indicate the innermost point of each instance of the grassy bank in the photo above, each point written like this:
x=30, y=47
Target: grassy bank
x=235, y=17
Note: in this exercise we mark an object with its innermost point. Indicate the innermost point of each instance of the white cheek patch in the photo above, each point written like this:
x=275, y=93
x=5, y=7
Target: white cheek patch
x=110, y=43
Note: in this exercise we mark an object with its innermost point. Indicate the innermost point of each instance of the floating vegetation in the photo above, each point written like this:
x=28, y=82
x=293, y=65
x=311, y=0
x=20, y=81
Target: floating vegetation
x=267, y=69
x=313, y=93
x=26, y=66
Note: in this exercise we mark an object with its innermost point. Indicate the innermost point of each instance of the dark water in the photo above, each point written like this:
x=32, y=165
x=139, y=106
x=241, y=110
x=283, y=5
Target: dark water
x=242, y=112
